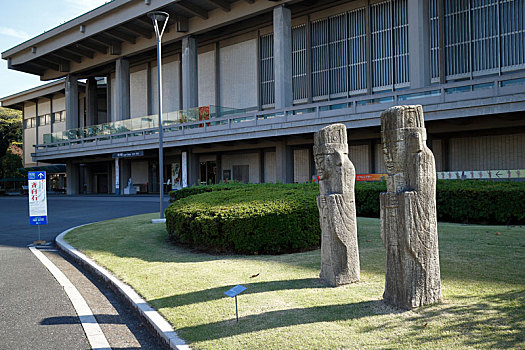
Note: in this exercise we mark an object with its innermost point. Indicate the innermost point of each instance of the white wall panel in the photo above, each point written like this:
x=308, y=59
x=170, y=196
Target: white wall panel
x=139, y=172
x=301, y=165
x=29, y=141
x=207, y=76
x=359, y=157
x=379, y=159
x=238, y=75
x=250, y=159
x=29, y=110
x=487, y=152
x=44, y=106
x=59, y=104
x=138, y=93
x=170, y=87
x=269, y=167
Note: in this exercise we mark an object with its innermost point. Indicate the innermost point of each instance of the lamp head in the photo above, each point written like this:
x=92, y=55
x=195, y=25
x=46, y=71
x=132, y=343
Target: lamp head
x=159, y=16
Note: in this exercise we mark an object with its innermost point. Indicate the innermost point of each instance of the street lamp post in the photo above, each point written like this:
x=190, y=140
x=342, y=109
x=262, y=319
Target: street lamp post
x=156, y=17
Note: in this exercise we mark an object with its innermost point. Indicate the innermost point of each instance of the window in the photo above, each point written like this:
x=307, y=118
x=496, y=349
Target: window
x=44, y=119
x=480, y=37
x=299, y=64
x=357, y=46
x=29, y=123
x=59, y=116
x=266, y=70
x=389, y=44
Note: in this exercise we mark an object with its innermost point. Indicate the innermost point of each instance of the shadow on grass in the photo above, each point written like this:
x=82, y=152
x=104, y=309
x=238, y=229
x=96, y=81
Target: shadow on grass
x=252, y=288
x=493, y=321
x=285, y=318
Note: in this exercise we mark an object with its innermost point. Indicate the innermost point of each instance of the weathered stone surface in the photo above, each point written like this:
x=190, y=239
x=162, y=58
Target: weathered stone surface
x=408, y=211
x=336, y=203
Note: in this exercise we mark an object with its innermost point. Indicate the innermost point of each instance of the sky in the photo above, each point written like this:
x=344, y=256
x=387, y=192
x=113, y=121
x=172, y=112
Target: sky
x=24, y=19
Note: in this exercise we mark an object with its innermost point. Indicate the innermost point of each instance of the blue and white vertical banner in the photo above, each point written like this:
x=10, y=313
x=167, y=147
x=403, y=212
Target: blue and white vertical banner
x=37, y=197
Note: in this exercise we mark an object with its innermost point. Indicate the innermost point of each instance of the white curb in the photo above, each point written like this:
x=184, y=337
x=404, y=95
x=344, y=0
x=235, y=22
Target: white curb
x=95, y=336
x=158, y=323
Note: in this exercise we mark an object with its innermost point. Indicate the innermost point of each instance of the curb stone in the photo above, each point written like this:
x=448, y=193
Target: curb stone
x=163, y=329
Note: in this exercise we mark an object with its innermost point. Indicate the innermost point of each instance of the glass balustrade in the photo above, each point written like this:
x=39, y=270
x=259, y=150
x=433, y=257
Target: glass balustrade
x=170, y=122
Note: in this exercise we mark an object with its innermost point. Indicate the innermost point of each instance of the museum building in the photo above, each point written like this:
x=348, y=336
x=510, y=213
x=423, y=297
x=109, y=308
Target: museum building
x=246, y=83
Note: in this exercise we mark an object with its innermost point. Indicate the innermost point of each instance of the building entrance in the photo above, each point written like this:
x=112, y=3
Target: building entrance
x=208, y=173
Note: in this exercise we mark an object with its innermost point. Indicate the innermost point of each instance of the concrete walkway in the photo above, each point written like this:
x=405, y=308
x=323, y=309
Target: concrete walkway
x=35, y=312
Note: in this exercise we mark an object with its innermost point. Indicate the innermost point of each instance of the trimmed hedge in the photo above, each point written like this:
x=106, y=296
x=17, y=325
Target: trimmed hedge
x=193, y=190
x=247, y=219
x=280, y=218
x=463, y=201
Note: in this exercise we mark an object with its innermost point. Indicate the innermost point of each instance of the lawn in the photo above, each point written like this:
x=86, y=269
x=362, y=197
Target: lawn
x=287, y=307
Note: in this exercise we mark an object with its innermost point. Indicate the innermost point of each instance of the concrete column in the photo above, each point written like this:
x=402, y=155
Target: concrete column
x=91, y=102
x=419, y=43
x=261, y=166
x=283, y=162
x=71, y=102
x=193, y=168
x=73, y=178
x=122, y=89
x=109, y=106
x=190, y=87
x=282, y=56
x=125, y=173
x=113, y=171
x=90, y=180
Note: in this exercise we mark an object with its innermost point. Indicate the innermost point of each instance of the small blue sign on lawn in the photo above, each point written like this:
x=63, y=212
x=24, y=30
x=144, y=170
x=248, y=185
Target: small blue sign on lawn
x=235, y=291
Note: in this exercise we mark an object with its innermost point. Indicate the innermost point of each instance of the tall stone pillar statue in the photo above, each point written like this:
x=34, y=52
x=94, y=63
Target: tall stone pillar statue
x=336, y=203
x=408, y=211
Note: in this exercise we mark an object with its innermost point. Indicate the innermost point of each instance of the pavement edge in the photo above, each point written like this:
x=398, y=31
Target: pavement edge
x=158, y=323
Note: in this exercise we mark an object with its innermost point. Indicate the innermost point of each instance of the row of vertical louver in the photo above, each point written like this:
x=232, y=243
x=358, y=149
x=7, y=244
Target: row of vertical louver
x=480, y=37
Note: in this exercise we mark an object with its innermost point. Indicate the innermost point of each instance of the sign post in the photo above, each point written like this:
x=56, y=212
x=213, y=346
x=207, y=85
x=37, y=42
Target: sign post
x=232, y=293
x=37, y=199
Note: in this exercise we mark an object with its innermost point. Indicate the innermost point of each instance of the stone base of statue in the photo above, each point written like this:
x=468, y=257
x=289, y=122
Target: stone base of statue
x=412, y=276
x=339, y=252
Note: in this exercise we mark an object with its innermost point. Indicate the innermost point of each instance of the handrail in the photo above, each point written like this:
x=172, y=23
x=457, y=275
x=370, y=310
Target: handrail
x=433, y=91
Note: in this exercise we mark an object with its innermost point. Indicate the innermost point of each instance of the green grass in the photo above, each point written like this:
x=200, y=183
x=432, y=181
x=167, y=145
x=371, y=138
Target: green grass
x=286, y=307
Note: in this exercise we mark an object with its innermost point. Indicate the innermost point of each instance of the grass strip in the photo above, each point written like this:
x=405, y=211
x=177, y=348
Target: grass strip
x=286, y=307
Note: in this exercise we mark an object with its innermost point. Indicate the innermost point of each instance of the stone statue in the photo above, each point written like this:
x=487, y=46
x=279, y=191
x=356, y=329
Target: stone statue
x=336, y=203
x=408, y=211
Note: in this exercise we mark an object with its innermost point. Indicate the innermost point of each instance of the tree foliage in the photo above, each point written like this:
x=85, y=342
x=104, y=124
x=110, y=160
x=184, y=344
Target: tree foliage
x=10, y=128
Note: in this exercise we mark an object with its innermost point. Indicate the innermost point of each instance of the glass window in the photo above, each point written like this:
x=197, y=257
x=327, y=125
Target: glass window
x=44, y=119
x=266, y=70
x=480, y=37
x=29, y=123
x=59, y=116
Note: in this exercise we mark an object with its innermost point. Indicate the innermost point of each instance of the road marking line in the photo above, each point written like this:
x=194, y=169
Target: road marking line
x=95, y=336
x=159, y=323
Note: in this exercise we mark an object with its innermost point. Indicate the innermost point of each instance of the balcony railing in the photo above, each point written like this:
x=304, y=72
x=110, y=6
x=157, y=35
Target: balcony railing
x=184, y=125
x=169, y=120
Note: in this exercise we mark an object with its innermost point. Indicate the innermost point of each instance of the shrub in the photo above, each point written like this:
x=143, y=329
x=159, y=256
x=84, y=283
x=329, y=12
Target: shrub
x=283, y=218
x=193, y=190
x=248, y=219
x=482, y=202
x=464, y=201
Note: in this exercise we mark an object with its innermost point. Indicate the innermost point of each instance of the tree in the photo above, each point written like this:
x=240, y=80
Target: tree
x=10, y=164
x=10, y=128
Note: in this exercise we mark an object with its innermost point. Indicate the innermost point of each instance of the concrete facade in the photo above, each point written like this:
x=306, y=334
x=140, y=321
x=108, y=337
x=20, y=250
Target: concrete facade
x=212, y=57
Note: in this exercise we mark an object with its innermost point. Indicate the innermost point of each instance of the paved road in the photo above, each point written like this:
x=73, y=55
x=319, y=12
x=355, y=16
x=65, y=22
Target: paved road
x=35, y=313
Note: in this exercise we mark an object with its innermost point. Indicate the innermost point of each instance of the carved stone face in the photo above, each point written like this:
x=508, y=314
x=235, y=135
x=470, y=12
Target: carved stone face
x=326, y=164
x=394, y=156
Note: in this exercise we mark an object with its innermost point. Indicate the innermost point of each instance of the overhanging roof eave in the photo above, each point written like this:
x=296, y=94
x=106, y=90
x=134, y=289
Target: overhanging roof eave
x=108, y=6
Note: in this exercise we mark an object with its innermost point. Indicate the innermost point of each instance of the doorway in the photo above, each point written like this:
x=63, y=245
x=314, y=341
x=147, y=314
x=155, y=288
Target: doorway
x=208, y=173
